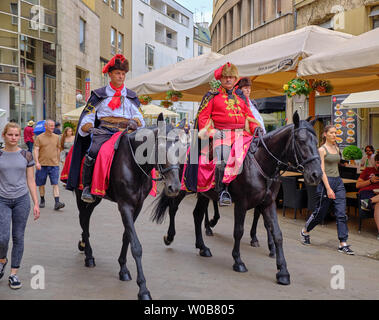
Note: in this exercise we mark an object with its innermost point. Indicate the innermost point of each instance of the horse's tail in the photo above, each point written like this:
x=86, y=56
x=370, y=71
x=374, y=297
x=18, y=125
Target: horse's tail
x=160, y=209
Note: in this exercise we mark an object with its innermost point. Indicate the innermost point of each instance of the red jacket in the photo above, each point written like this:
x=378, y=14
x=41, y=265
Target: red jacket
x=28, y=134
x=226, y=113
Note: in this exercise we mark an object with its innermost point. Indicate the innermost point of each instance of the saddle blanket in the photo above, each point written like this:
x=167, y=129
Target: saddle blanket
x=206, y=170
x=102, y=169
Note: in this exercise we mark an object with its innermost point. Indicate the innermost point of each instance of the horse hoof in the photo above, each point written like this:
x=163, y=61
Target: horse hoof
x=212, y=223
x=145, y=296
x=125, y=276
x=283, y=279
x=255, y=243
x=81, y=246
x=272, y=255
x=166, y=241
x=209, y=232
x=239, y=267
x=90, y=263
x=205, y=253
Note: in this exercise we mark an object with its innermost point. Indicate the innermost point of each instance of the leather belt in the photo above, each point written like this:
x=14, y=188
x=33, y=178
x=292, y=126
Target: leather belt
x=119, y=125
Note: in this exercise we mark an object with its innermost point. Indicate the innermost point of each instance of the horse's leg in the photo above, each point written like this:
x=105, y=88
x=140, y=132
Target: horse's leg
x=129, y=215
x=239, y=221
x=124, y=274
x=208, y=230
x=198, y=214
x=173, y=208
x=216, y=215
x=85, y=212
x=270, y=217
x=270, y=241
x=253, y=231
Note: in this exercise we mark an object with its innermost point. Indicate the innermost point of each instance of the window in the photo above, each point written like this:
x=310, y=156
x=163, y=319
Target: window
x=80, y=81
x=180, y=59
x=375, y=17
x=140, y=18
x=188, y=41
x=14, y=10
x=121, y=7
x=113, y=4
x=120, y=43
x=376, y=23
x=251, y=16
x=82, y=35
x=278, y=8
x=149, y=55
x=200, y=50
x=196, y=31
x=105, y=1
x=113, y=41
x=104, y=76
x=262, y=10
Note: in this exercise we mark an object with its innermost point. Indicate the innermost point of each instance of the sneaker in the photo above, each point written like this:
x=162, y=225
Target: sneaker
x=305, y=238
x=42, y=204
x=346, y=249
x=2, y=268
x=59, y=205
x=14, y=282
x=366, y=205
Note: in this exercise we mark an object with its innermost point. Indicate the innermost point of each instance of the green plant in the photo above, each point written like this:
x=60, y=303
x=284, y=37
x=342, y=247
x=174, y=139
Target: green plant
x=145, y=99
x=166, y=103
x=352, y=153
x=297, y=87
x=68, y=124
x=322, y=86
x=173, y=95
x=215, y=84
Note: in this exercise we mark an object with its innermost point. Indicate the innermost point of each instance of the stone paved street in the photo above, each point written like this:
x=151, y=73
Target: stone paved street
x=178, y=272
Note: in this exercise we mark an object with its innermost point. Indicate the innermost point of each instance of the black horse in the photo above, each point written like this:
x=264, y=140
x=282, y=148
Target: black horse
x=257, y=187
x=129, y=185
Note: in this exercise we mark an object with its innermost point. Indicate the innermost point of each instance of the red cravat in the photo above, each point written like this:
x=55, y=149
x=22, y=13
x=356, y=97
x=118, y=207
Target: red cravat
x=115, y=103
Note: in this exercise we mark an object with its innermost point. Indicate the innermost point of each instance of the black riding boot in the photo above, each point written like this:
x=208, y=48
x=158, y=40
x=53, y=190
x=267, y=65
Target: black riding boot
x=224, y=198
x=89, y=164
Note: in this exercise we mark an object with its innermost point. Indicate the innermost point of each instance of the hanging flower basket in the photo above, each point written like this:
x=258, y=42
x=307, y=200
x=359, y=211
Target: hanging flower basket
x=297, y=87
x=322, y=86
x=174, y=95
x=145, y=99
x=166, y=103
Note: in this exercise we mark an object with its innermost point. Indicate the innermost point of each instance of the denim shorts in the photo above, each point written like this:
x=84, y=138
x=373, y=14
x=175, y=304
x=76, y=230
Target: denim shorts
x=367, y=194
x=52, y=172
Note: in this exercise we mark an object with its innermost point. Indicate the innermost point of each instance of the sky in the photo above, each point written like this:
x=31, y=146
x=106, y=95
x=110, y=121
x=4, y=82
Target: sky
x=198, y=7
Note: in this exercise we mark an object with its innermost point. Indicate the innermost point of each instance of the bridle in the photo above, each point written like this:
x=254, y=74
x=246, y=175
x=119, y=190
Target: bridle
x=281, y=166
x=159, y=167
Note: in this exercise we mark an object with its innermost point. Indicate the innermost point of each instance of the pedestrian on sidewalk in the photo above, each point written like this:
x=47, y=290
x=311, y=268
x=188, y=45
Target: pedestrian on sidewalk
x=47, y=157
x=331, y=189
x=66, y=142
x=29, y=135
x=16, y=177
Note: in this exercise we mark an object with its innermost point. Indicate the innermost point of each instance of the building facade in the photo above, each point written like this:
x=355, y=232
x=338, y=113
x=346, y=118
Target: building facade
x=162, y=35
x=354, y=17
x=201, y=39
x=238, y=23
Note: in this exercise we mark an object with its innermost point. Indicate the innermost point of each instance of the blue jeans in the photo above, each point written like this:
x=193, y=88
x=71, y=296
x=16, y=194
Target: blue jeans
x=323, y=203
x=15, y=211
x=30, y=146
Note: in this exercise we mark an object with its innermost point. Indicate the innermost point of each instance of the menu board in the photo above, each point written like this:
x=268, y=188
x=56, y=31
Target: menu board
x=345, y=121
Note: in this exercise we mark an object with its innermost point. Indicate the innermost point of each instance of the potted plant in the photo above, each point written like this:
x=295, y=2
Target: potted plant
x=299, y=87
x=215, y=84
x=352, y=153
x=173, y=95
x=145, y=99
x=166, y=103
x=322, y=86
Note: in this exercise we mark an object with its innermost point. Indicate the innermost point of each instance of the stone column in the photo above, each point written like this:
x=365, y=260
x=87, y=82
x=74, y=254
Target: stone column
x=236, y=21
x=245, y=16
x=229, y=27
x=223, y=32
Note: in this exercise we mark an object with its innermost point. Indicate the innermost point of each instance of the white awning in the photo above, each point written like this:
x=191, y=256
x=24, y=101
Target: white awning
x=2, y=113
x=374, y=12
x=367, y=99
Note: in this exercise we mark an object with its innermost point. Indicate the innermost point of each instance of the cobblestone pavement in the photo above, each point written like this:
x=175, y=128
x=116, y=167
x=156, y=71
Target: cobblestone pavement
x=178, y=272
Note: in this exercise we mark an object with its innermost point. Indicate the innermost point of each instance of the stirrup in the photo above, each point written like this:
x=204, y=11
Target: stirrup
x=225, y=199
x=87, y=196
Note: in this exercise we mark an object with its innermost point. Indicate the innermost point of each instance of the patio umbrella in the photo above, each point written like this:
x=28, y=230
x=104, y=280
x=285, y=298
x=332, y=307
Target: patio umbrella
x=270, y=63
x=73, y=115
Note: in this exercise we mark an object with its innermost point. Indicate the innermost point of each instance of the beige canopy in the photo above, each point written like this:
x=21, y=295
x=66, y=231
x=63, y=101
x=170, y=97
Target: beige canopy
x=351, y=67
x=367, y=99
x=73, y=115
x=270, y=63
x=153, y=111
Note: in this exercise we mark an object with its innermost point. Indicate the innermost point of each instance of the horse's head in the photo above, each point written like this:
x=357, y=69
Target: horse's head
x=305, y=155
x=171, y=152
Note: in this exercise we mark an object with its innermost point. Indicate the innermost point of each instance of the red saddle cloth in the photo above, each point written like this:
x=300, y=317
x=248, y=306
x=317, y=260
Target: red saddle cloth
x=206, y=170
x=102, y=169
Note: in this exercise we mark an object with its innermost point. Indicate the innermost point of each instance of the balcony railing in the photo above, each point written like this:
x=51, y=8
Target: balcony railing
x=162, y=38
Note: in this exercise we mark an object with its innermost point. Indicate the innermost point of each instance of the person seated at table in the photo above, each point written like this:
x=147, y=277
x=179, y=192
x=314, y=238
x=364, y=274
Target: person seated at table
x=368, y=160
x=367, y=182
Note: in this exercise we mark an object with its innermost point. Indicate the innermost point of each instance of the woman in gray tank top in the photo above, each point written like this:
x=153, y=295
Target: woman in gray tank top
x=331, y=189
x=16, y=177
